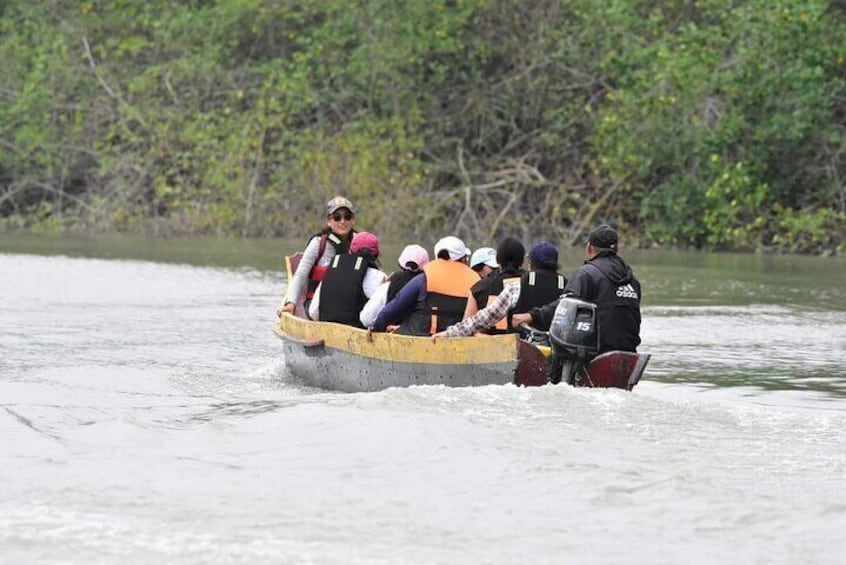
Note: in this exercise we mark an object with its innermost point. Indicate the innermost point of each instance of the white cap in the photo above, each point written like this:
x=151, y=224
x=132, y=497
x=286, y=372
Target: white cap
x=454, y=246
x=484, y=255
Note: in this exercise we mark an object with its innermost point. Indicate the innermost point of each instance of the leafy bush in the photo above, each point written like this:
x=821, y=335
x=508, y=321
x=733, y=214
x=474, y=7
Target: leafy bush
x=716, y=124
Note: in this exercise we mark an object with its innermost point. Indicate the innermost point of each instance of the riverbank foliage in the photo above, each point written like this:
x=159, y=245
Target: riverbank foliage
x=716, y=124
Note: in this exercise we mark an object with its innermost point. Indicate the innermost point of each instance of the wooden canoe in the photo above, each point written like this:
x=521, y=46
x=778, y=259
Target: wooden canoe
x=338, y=357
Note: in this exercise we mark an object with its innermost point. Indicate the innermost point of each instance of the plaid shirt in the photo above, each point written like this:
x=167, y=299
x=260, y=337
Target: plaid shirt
x=487, y=317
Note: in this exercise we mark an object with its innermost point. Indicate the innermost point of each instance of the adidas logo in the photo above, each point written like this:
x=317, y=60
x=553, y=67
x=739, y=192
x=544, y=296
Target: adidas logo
x=626, y=291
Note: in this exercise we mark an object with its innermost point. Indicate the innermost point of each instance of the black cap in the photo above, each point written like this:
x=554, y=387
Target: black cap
x=603, y=236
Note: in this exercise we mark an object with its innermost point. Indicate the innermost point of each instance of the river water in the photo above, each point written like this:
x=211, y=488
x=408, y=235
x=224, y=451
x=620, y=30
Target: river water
x=146, y=417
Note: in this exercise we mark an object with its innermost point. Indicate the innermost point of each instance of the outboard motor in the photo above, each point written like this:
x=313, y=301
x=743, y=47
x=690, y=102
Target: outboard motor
x=574, y=335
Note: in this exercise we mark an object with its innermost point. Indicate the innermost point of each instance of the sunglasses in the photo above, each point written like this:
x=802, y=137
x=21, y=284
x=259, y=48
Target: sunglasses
x=337, y=216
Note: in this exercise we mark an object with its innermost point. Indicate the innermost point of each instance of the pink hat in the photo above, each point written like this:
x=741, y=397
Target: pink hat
x=413, y=254
x=365, y=240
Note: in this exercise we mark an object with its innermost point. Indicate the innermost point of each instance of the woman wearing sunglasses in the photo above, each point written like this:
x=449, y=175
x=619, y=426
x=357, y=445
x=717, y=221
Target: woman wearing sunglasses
x=332, y=240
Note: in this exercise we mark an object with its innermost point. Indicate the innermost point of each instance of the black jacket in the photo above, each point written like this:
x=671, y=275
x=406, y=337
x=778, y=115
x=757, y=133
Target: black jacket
x=607, y=281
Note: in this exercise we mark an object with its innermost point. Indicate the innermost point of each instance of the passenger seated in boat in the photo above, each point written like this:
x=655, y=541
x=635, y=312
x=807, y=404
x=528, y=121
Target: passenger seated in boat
x=434, y=299
x=321, y=249
x=510, y=255
x=606, y=280
x=412, y=259
x=350, y=281
x=483, y=261
x=538, y=286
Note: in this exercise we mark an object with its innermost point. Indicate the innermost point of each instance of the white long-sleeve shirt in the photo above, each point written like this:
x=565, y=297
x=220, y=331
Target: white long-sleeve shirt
x=311, y=257
x=371, y=310
x=373, y=278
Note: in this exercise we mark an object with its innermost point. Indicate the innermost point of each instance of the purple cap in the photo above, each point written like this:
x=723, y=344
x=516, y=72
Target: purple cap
x=542, y=253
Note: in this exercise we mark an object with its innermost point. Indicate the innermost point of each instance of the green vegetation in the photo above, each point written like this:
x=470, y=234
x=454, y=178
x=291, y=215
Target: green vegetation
x=717, y=124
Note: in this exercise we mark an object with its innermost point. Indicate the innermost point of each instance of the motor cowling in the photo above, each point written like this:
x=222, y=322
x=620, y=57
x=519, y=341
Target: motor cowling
x=574, y=330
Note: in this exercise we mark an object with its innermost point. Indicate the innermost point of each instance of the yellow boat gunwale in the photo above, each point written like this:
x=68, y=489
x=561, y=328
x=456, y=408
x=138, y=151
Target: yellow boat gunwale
x=399, y=348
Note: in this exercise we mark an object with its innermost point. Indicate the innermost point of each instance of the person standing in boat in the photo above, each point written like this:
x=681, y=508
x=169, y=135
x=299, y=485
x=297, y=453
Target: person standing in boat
x=350, y=281
x=322, y=247
x=412, y=259
x=541, y=284
x=434, y=299
x=607, y=281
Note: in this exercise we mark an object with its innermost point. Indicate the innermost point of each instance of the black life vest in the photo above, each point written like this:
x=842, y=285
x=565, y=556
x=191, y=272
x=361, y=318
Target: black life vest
x=342, y=293
x=491, y=288
x=538, y=288
x=318, y=272
x=398, y=280
x=480, y=291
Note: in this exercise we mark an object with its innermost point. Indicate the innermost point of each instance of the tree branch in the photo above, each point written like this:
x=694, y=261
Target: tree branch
x=93, y=64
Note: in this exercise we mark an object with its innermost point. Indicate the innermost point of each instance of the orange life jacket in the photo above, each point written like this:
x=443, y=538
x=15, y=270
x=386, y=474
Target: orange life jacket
x=447, y=288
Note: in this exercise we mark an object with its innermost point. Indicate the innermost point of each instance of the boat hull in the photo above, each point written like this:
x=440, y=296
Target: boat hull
x=338, y=357
x=339, y=370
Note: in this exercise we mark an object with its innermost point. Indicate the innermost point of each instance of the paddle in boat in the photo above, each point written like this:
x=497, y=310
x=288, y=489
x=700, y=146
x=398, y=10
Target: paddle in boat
x=340, y=357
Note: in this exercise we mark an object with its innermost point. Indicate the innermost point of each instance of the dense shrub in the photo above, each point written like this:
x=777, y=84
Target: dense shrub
x=716, y=124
